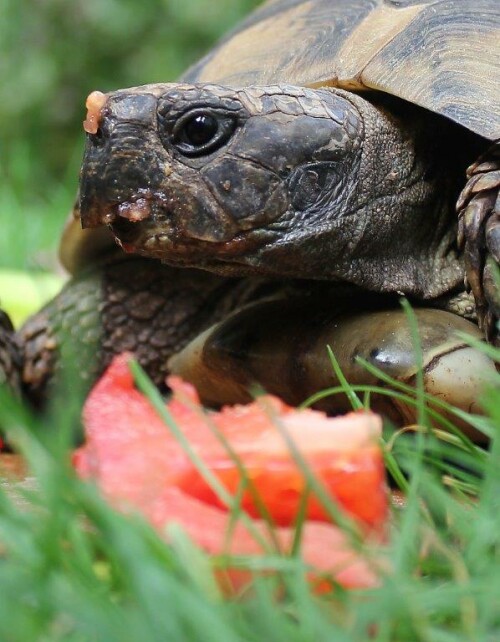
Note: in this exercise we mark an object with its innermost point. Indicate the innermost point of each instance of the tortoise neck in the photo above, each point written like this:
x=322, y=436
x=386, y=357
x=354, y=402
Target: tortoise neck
x=404, y=234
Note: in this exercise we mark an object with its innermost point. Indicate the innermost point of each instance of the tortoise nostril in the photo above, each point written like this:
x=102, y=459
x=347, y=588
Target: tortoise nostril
x=97, y=139
x=124, y=230
x=98, y=136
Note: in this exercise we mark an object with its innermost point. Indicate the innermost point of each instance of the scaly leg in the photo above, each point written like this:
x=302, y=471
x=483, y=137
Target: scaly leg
x=479, y=234
x=126, y=304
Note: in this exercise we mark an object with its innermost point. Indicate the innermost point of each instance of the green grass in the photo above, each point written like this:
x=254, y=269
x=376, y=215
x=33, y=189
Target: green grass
x=52, y=54
x=72, y=569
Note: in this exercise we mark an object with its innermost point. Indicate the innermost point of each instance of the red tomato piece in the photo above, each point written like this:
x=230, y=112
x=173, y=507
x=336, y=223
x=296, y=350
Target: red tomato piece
x=342, y=453
x=139, y=465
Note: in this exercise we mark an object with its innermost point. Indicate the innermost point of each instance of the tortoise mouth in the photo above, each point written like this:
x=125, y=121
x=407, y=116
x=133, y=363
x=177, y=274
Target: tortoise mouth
x=170, y=245
x=141, y=206
x=151, y=224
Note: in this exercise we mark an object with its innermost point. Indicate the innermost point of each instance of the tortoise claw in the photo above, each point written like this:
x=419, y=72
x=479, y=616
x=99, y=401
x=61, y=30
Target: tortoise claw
x=490, y=287
x=479, y=236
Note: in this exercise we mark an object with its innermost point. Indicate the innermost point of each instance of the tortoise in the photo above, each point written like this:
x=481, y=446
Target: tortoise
x=298, y=180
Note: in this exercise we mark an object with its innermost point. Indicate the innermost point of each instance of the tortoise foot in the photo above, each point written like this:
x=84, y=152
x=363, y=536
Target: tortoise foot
x=479, y=234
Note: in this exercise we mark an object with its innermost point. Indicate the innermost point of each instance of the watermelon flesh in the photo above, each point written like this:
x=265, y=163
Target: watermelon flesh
x=139, y=465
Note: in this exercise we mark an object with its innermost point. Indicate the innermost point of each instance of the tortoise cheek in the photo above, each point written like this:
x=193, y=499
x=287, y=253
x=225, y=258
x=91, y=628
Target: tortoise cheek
x=249, y=194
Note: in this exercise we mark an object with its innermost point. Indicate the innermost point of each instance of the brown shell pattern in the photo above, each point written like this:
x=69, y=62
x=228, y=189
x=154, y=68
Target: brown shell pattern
x=441, y=54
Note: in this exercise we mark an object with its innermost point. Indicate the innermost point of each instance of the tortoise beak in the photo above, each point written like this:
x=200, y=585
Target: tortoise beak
x=120, y=159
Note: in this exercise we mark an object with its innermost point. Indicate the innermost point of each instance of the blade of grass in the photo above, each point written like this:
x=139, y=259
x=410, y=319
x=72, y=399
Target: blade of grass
x=480, y=423
x=476, y=421
x=419, y=361
x=344, y=384
x=335, y=513
x=300, y=521
x=146, y=386
x=246, y=481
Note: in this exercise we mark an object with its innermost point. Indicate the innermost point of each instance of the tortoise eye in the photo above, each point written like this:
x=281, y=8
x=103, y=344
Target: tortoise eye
x=201, y=132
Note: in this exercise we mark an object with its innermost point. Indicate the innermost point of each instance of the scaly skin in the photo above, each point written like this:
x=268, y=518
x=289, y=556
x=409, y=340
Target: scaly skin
x=132, y=304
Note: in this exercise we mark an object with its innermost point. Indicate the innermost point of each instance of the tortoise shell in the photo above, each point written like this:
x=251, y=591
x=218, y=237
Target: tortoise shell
x=443, y=55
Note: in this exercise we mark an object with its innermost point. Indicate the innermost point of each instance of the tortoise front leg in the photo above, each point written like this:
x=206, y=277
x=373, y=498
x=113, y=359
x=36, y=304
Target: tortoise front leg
x=479, y=234
x=125, y=304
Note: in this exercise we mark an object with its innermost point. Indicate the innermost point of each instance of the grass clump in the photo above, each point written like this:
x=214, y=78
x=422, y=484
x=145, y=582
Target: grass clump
x=71, y=568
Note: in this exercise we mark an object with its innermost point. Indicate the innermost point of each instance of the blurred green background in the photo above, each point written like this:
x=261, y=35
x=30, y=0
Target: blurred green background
x=52, y=54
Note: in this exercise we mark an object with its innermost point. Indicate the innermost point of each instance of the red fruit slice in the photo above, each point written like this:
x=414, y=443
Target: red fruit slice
x=342, y=453
x=138, y=464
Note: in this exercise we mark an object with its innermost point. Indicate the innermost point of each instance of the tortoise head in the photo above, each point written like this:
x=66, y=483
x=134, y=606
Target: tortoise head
x=281, y=181
x=220, y=178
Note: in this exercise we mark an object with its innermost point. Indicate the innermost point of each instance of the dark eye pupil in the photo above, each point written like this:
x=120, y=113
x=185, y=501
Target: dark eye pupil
x=200, y=130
